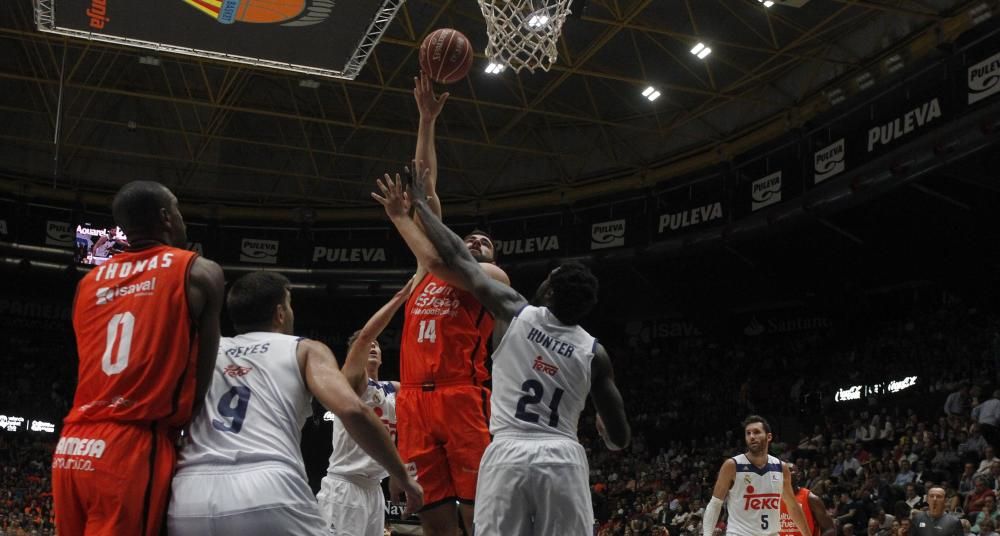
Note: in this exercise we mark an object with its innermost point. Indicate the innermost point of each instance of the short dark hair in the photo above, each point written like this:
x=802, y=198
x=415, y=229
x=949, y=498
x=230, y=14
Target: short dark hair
x=136, y=206
x=252, y=299
x=354, y=337
x=757, y=418
x=574, y=292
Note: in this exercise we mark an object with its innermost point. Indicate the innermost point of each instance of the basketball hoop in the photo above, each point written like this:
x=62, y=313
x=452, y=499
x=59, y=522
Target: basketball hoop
x=523, y=33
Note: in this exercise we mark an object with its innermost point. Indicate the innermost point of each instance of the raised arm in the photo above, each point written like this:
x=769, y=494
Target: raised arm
x=357, y=355
x=205, y=290
x=443, y=253
x=329, y=386
x=612, y=424
x=429, y=107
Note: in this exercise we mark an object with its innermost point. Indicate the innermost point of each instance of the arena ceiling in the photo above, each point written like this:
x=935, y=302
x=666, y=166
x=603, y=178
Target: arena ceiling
x=238, y=136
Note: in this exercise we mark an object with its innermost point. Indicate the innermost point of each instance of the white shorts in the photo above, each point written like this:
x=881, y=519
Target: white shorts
x=533, y=487
x=351, y=509
x=268, y=500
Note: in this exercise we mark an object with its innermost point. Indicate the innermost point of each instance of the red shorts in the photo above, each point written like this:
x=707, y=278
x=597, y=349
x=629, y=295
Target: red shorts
x=111, y=479
x=443, y=433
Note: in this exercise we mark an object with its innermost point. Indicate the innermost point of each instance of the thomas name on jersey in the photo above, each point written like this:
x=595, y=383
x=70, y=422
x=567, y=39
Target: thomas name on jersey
x=549, y=342
x=121, y=270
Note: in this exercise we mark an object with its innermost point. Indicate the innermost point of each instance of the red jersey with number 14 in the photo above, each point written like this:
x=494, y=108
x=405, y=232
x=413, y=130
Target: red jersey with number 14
x=136, y=340
x=445, y=333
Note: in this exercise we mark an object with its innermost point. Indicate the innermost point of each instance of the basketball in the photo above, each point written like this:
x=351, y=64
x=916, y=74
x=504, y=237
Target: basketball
x=446, y=55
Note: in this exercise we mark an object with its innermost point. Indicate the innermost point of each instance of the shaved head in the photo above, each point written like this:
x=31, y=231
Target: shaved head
x=147, y=209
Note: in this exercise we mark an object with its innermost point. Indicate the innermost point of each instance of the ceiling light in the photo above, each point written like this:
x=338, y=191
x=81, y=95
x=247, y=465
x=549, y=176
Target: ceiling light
x=980, y=13
x=704, y=53
x=864, y=81
x=494, y=68
x=893, y=63
x=648, y=90
x=653, y=96
x=698, y=48
x=835, y=96
x=149, y=60
x=307, y=83
x=766, y=3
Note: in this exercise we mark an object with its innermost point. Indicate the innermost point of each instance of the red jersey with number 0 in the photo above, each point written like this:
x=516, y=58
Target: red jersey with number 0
x=136, y=340
x=445, y=334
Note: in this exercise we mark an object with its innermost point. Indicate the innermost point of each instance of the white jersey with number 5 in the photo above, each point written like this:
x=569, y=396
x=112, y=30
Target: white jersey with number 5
x=754, y=501
x=255, y=408
x=541, y=376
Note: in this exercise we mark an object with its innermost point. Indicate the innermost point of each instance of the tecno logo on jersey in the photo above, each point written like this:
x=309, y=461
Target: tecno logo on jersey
x=828, y=161
x=106, y=295
x=984, y=79
x=761, y=501
x=261, y=251
x=58, y=233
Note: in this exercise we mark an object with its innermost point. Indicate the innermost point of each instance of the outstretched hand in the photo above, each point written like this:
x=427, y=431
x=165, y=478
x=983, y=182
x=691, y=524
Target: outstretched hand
x=394, y=199
x=419, y=179
x=423, y=91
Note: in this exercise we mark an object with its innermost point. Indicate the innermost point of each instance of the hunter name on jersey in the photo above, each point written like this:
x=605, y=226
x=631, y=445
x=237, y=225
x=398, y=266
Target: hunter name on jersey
x=436, y=300
x=121, y=270
x=549, y=342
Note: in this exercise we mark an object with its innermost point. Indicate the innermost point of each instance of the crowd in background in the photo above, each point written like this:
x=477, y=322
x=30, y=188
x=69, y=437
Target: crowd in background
x=870, y=459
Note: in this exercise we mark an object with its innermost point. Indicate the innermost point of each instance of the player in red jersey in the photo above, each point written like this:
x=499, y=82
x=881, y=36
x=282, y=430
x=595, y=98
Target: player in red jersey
x=147, y=333
x=818, y=519
x=442, y=407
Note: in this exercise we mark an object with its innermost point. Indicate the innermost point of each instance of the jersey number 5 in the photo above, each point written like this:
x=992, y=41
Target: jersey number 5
x=537, y=391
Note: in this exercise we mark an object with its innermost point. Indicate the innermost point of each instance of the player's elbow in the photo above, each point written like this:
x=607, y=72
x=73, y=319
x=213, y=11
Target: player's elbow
x=352, y=413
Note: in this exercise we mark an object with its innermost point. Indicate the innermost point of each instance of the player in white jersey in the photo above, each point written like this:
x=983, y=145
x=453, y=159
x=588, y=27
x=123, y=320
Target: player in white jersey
x=756, y=483
x=242, y=470
x=350, y=496
x=533, y=478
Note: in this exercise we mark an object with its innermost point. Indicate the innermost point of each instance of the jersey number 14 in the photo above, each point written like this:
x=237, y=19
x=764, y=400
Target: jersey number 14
x=428, y=331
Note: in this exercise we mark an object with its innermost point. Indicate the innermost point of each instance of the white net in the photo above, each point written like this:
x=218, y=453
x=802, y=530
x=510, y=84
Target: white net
x=523, y=33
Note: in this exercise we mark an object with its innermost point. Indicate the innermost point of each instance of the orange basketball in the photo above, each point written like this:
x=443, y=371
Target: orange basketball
x=446, y=55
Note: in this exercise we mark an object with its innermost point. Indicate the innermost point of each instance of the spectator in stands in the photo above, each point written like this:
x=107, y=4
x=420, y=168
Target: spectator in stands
x=988, y=512
x=975, y=500
x=912, y=499
x=987, y=528
x=989, y=458
x=987, y=415
x=977, y=444
x=967, y=481
x=957, y=404
x=905, y=475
